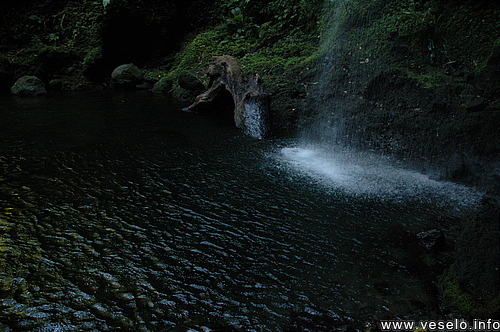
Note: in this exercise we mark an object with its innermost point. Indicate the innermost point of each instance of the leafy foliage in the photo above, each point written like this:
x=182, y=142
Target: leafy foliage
x=270, y=20
x=73, y=25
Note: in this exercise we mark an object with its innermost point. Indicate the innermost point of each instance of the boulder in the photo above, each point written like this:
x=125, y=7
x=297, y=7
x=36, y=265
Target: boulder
x=28, y=86
x=126, y=75
x=249, y=101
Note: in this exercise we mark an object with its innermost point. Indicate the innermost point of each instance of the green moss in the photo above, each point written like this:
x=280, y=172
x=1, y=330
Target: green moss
x=92, y=55
x=5, y=242
x=431, y=77
x=470, y=33
x=414, y=35
x=153, y=75
x=455, y=296
x=284, y=56
x=195, y=55
x=459, y=299
x=270, y=61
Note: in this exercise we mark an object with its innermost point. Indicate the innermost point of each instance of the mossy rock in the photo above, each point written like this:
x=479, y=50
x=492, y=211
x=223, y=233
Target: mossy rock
x=126, y=75
x=28, y=86
x=165, y=84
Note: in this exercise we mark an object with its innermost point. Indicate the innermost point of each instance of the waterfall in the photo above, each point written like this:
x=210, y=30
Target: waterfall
x=328, y=143
x=341, y=69
x=255, y=118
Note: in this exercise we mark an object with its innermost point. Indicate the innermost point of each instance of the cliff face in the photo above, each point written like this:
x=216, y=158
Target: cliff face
x=420, y=80
x=417, y=79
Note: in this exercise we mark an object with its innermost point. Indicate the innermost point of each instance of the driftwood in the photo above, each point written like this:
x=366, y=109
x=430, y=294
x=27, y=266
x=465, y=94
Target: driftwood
x=251, y=104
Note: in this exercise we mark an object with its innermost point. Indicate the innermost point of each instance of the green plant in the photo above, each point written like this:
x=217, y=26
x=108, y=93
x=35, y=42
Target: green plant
x=239, y=25
x=53, y=37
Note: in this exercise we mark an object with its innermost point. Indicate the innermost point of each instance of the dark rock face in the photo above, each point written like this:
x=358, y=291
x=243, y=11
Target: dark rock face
x=478, y=250
x=28, y=86
x=56, y=62
x=251, y=104
x=478, y=104
x=190, y=82
x=138, y=31
x=488, y=81
x=392, y=80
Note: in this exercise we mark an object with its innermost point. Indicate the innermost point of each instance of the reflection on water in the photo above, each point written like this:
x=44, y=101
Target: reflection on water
x=120, y=212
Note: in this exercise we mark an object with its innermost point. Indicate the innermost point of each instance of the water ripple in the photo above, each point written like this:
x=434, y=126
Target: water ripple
x=136, y=230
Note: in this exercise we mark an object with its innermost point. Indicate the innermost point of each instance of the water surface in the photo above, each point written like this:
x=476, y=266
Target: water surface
x=120, y=212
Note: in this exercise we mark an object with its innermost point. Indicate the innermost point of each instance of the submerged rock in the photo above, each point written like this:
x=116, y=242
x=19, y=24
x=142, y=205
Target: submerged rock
x=431, y=239
x=28, y=86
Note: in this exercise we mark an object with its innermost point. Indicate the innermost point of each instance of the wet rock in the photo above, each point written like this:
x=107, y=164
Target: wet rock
x=432, y=239
x=100, y=311
x=11, y=287
x=111, y=281
x=389, y=80
x=478, y=249
x=371, y=327
x=463, y=168
x=144, y=302
x=81, y=316
x=28, y=86
x=127, y=75
x=7, y=303
x=125, y=297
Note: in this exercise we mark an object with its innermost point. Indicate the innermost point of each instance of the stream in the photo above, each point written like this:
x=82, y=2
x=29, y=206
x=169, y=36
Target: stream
x=119, y=212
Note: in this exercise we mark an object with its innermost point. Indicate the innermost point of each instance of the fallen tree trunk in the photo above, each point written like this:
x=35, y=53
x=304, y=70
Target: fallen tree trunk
x=251, y=103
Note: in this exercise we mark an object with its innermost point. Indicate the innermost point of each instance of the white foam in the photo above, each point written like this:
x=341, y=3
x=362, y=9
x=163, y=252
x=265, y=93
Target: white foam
x=370, y=175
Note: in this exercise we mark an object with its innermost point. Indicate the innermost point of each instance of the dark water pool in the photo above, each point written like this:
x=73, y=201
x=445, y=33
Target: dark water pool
x=121, y=212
